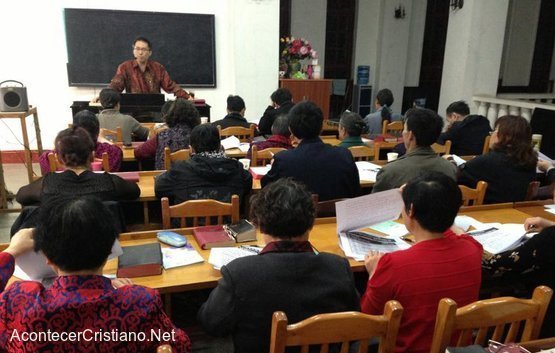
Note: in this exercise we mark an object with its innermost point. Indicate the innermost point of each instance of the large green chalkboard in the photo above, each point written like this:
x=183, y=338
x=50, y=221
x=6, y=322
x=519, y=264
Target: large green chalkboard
x=99, y=40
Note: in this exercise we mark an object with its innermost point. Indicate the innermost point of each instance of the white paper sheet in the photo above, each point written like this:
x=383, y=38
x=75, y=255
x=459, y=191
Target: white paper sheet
x=367, y=171
x=498, y=238
x=230, y=142
x=220, y=257
x=176, y=257
x=458, y=160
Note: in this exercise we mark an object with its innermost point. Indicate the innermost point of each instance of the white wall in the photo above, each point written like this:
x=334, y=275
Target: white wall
x=416, y=40
x=308, y=20
x=247, y=34
x=520, y=41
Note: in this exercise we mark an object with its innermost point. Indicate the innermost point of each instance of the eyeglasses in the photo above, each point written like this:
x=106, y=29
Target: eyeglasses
x=141, y=49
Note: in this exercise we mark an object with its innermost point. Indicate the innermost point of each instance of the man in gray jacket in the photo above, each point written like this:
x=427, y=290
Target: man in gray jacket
x=422, y=129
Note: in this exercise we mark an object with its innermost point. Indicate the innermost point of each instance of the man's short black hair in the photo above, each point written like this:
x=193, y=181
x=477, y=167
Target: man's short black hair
x=281, y=126
x=75, y=233
x=109, y=98
x=305, y=120
x=143, y=39
x=88, y=121
x=281, y=95
x=205, y=138
x=283, y=209
x=353, y=123
x=235, y=104
x=435, y=200
x=425, y=124
x=459, y=107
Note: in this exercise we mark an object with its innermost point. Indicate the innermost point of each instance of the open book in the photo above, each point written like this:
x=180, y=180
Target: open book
x=233, y=142
x=220, y=257
x=496, y=237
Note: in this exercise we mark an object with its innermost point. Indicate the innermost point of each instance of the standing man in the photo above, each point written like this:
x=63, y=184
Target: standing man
x=144, y=76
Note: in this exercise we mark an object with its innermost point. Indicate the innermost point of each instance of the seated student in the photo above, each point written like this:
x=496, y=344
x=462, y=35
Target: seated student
x=440, y=265
x=235, y=114
x=350, y=128
x=374, y=121
x=208, y=174
x=466, y=132
x=88, y=121
x=110, y=117
x=532, y=262
x=181, y=117
x=422, y=128
x=75, y=150
x=281, y=105
x=327, y=171
x=76, y=236
x=287, y=275
x=509, y=166
x=280, y=138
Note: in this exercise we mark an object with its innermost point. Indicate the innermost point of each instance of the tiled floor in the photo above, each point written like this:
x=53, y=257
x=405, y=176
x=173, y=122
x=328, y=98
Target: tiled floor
x=15, y=176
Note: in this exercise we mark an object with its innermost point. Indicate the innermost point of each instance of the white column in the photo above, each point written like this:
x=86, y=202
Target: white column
x=513, y=110
x=502, y=110
x=473, y=51
x=483, y=108
x=492, y=113
x=526, y=113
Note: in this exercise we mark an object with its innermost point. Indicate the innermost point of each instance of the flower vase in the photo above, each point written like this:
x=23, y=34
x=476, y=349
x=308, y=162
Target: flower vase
x=294, y=67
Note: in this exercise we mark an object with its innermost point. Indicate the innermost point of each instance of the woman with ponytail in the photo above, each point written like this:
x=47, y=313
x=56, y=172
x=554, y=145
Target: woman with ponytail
x=374, y=121
x=350, y=128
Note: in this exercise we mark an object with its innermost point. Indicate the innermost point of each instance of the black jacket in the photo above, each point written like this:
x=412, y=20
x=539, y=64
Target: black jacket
x=270, y=115
x=328, y=171
x=467, y=136
x=202, y=177
x=506, y=182
x=253, y=287
x=232, y=119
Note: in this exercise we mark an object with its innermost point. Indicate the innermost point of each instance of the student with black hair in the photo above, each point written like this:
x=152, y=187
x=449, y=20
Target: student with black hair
x=422, y=128
x=208, y=174
x=281, y=105
x=235, y=114
x=350, y=128
x=441, y=264
x=88, y=121
x=110, y=118
x=181, y=117
x=287, y=275
x=466, y=132
x=374, y=121
x=76, y=235
x=280, y=138
x=328, y=171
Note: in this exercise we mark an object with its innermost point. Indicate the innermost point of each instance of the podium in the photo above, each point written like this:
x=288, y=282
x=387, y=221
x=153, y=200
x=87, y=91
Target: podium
x=316, y=91
x=27, y=149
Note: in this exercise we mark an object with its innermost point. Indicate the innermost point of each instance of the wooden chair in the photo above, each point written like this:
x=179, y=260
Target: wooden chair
x=442, y=149
x=532, y=191
x=244, y=134
x=199, y=209
x=112, y=135
x=263, y=157
x=394, y=128
x=378, y=146
x=179, y=155
x=474, y=197
x=362, y=153
x=484, y=315
x=326, y=329
x=55, y=163
x=486, y=144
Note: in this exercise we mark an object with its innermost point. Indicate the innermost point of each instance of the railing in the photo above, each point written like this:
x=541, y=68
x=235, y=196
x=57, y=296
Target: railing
x=531, y=97
x=494, y=107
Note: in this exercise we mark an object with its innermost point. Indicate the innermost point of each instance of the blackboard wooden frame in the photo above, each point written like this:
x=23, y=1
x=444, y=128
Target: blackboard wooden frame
x=99, y=40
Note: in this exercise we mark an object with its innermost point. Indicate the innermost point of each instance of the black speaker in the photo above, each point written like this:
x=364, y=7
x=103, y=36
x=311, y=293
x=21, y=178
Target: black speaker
x=13, y=99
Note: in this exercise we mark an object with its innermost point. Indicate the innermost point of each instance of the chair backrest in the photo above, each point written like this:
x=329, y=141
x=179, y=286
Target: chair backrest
x=394, y=128
x=55, y=163
x=263, y=157
x=474, y=197
x=532, y=191
x=112, y=135
x=483, y=316
x=362, y=153
x=200, y=209
x=326, y=208
x=442, y=149
x=170, y=157
x=105, y=162
x=486, y=144
x=378, y=146
x=244, y=134
x=326, y=329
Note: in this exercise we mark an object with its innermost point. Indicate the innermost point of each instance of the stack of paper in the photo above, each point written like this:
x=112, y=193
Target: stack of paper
x=367, y=171
x=175, y=257
x=220, y=257
x=496, y=238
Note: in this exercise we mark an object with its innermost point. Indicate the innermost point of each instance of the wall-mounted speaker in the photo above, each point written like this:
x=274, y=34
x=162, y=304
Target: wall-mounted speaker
x=13, y=99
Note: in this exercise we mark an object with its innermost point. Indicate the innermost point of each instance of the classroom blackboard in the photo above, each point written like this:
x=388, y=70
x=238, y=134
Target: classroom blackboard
x=99, y=40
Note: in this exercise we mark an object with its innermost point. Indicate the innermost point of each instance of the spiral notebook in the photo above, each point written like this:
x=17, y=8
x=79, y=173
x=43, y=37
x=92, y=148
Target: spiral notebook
x=220, y=257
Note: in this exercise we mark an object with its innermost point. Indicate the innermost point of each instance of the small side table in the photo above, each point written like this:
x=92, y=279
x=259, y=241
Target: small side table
x=27, y=152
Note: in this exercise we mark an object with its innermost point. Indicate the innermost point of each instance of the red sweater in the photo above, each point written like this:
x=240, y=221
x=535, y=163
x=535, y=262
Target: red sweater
x=418, y=278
